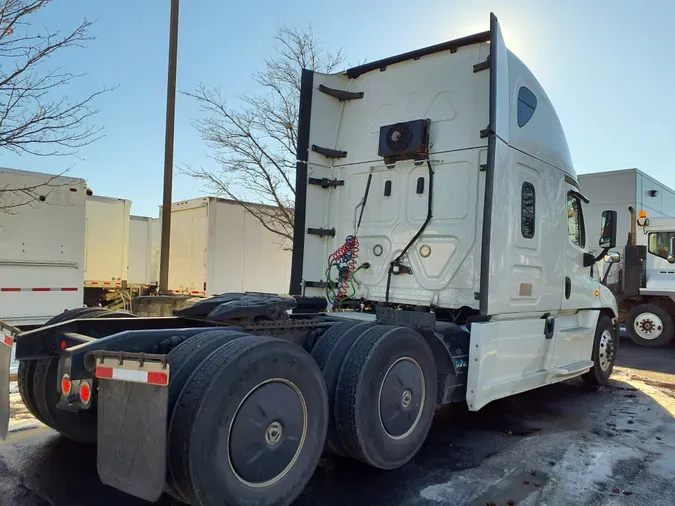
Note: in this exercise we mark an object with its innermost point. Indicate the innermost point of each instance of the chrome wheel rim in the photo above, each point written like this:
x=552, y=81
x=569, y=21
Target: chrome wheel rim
x=606, y=350
x=648, y=326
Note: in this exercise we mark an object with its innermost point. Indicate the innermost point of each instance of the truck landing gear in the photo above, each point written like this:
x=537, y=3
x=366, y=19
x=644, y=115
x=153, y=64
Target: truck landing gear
x=650, y=325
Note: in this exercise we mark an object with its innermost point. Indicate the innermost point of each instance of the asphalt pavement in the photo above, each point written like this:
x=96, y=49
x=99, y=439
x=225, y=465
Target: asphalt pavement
x=566, y=444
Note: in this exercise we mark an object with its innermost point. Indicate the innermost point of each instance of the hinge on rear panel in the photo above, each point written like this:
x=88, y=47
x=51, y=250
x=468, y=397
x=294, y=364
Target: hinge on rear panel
x=483, y=167
x=341, y=95
x=476, y=295
x=324, y=182
x=329, y=153
x=322, y=232
x=482, y=65
x=485, y=133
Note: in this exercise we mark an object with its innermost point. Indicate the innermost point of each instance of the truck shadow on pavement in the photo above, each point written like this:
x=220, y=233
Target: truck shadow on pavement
x=453, y=467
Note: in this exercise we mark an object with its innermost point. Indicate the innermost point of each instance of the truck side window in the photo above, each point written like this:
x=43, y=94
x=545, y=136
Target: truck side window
x=575, y=221
x=527, y=210
x=660, y=242
x=527, y=103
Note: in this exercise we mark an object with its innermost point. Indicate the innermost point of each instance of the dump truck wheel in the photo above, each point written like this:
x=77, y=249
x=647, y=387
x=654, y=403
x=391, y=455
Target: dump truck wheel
x=604, y=353
x=386, y=396
x=184, y=359
x=250, y=424
x=650, y=325
x=80, y=426
x=329, y=354
x=24, y=379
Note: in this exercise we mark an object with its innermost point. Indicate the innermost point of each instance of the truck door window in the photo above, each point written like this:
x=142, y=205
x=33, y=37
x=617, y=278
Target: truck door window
x=575, y=221
x=660, y=242
x=527, y=209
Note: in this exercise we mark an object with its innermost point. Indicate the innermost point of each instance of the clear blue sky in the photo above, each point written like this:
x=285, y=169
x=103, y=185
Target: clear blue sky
x=607, y=67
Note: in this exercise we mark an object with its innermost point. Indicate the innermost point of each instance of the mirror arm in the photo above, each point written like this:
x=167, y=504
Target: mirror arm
x=602, y=255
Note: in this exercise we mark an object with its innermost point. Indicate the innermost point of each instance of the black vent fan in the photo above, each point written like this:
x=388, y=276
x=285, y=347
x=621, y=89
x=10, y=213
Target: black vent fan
x=404, y=141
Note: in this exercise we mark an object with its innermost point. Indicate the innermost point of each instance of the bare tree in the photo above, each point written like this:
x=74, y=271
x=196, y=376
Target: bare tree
x=253, y=143
x=36, y=116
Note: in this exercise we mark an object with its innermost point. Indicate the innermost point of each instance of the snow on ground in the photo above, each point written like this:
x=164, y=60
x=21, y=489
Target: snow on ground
x=626, y=458
x=20, y=417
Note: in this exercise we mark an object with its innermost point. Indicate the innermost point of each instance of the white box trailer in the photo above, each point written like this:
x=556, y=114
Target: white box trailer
x=106, y=257
x=42, y=229
x=144, y=244
x=217, y=246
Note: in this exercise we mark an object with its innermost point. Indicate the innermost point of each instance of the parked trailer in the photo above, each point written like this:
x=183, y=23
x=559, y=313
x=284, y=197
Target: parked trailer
x=217, y=246
x=41, y=245
x=144, y=245
x=464, y=268
x=643, y=281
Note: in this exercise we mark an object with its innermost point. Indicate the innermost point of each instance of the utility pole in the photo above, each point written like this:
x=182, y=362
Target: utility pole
x=168, y=150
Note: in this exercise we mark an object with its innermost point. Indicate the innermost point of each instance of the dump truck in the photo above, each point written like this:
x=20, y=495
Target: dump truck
x=439, y=257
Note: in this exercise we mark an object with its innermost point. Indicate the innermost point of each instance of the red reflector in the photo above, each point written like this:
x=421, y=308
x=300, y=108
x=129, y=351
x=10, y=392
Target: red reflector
x=104, y=372
x=63, y=345
x=9, y=341
x=73, y=189
x=69, y=289
x=158, y=378
x=66, y=385
x=10, y=289
x=85, y=393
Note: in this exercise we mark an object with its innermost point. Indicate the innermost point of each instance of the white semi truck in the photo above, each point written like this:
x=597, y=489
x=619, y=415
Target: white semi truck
x=438, y=213
x=643, y=280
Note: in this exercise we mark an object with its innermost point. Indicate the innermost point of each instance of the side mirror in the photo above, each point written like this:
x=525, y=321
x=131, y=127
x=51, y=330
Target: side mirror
x=608, y=230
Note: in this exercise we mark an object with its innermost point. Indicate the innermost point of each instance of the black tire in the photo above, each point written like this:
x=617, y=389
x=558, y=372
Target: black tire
x=388, y=369
x=604, y=352
x=26, y=372
x=79, y=426
x=662, y=333
x=256, y=388
x=24, y=379
x=184, y=359
x=329, y=354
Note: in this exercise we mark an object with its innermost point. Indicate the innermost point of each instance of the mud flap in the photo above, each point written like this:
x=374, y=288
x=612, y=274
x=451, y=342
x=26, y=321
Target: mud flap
x=132, y=424
x=6, y=343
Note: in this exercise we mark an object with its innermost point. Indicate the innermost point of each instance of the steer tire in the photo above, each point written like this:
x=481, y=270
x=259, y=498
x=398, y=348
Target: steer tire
x=665, y=333
x=386, y=396
x=329, y=354
x=81, y=425
x=183, y=360
x=250, y=424
x=604, y=353
x=24, y=379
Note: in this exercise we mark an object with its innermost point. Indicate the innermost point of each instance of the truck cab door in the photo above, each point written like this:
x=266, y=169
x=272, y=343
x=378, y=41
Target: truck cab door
x=579, y=288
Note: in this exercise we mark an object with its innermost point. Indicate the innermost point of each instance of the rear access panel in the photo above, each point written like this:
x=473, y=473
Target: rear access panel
x=132, y=421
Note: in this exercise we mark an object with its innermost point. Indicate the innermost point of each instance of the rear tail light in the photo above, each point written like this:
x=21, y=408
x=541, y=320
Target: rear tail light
x=66, y=385
x=85, y=392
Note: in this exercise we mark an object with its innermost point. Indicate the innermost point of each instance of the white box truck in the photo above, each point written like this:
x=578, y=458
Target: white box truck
x=42, y=230
x=217, y=247
x=436, y=199
x=643, y=280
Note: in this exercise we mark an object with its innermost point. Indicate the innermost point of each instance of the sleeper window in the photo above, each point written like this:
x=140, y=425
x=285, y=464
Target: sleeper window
x=527, y=103
x=527, y=210
x=575, y=220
